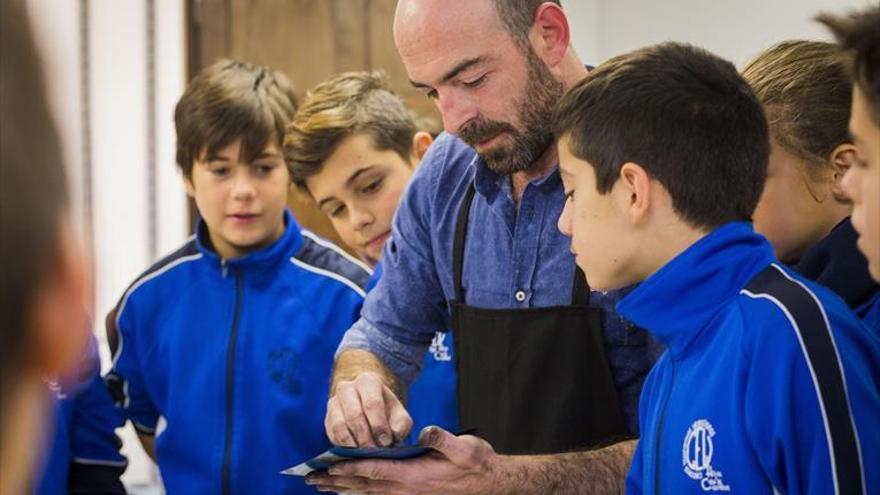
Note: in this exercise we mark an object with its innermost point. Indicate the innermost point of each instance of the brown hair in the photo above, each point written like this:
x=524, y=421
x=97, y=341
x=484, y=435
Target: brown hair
x=683, y=114
x=33, y=187
x=859, y=33
x=347, y=104
x=806, y=92
x=232, y=100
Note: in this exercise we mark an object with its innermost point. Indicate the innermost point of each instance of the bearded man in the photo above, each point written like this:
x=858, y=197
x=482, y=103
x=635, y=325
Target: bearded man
x=548, y=376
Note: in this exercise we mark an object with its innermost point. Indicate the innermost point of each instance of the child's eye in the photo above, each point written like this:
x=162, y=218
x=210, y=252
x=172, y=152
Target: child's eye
x=432, y=95
x=264, y=169
x=337, y=211
x=569, y=195
x=372, y=187
x=220, y=171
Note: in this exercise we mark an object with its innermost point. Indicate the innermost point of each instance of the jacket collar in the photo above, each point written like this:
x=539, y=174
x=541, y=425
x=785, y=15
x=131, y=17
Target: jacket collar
x=837, y=263
x=682, y=298
x=260, y=260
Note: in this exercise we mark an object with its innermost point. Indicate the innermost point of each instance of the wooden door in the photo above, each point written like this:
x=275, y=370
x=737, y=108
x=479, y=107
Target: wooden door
x=308, y=40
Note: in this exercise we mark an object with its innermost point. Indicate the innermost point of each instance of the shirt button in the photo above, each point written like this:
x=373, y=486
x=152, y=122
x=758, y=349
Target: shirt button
x=520, y=296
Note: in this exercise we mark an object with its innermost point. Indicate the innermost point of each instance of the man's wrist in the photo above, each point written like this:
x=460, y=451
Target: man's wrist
x=352, y=363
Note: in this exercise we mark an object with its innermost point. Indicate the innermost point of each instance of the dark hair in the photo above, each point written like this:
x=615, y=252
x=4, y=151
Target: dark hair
x=232, y=100
x=517, y=17
x=683, y=114
x=859, y=33
x=347, y=104
x=33, y=187
x=806, y=92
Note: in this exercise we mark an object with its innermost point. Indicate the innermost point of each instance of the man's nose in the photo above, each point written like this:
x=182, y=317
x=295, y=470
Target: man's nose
x=456, y=110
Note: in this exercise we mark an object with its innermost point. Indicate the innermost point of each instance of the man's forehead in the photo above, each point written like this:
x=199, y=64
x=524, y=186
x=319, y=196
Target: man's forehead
x=428, y=30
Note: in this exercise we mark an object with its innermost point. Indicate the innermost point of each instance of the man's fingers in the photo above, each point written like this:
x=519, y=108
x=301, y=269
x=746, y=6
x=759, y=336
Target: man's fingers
x=373, y=404
x=352, y=411
x=353, y=484
x=334, y=423
x=465, y=451
x=399, y=419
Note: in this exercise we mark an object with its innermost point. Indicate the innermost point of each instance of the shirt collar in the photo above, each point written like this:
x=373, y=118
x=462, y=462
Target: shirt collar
x=489, y=183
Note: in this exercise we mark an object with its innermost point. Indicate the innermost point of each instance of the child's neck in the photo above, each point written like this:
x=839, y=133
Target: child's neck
x=667, y=240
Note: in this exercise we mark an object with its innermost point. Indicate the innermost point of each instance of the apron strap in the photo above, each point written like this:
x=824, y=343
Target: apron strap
x=580, y=289
x=461, y=226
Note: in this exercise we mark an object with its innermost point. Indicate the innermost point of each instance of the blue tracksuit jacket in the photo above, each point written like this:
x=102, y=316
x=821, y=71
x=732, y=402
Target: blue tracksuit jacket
x=234, y=356
x=82, y=456
x=769, y=384
x=431, y=398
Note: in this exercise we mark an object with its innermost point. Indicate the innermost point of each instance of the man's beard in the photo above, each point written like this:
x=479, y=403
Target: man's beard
x=535, y=115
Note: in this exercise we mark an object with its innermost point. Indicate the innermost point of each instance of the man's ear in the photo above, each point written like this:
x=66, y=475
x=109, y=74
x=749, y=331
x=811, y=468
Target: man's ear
x=841, y=159
x=421, y=141
x=636, y=194
x=58, y=319
x=550, y=34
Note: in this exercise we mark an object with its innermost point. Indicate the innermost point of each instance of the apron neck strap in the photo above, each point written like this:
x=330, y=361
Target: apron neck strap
x=461, y=225
x=580, y=290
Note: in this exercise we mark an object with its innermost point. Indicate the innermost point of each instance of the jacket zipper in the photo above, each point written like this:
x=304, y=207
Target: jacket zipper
x=660, y=427
x=230, y=363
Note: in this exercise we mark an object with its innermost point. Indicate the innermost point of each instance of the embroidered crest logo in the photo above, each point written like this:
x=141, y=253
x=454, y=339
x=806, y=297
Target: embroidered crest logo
x=438, y=348
x=696, y=456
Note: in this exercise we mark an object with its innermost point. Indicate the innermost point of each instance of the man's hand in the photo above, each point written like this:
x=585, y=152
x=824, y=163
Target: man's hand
x=467, y=464
x=365, y=412
x=464, y=464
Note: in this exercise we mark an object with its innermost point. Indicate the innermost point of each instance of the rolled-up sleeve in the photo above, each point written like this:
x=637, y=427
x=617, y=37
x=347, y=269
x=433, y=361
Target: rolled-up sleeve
x=408, y=305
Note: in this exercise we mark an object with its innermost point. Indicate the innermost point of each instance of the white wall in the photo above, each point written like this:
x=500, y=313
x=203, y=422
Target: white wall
x=737, y=30
x=108, y=167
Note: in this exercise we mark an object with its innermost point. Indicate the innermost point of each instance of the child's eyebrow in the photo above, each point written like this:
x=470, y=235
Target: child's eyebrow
x=357, y=174
x=325, y=201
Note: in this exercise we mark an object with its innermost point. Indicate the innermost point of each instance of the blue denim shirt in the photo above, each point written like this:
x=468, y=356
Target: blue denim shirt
x=515, y=258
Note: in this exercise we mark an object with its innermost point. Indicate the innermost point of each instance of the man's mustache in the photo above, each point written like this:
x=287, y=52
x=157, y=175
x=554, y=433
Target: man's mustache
x=478, y=130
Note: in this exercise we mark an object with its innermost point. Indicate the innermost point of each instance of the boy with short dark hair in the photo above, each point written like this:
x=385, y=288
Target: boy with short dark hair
x=353, y=147
x=769, y=383
x=859, y=34
x=221, y=351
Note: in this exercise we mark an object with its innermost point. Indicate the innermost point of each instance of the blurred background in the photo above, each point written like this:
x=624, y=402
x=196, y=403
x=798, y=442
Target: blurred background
x=115, y=69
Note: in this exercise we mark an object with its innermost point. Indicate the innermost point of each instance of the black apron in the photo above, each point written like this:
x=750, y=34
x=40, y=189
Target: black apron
x=532, y=380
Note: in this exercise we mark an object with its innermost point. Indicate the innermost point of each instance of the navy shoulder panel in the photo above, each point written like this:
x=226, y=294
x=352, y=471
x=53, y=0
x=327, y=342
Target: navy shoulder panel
x=810, y=321
x=321, y=256
x=186, y=252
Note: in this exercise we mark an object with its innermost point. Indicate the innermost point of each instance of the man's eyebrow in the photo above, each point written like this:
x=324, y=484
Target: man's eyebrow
x=458, y=69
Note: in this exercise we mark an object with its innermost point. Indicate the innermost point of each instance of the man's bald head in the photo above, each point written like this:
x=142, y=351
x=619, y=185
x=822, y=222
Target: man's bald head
x=516, y=16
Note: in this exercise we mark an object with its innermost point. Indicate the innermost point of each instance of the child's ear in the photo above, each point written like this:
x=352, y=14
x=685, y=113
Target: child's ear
x=58, y=319
x=636, y=191
x=841, y=159
x=421, y=141
x=187, y=183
